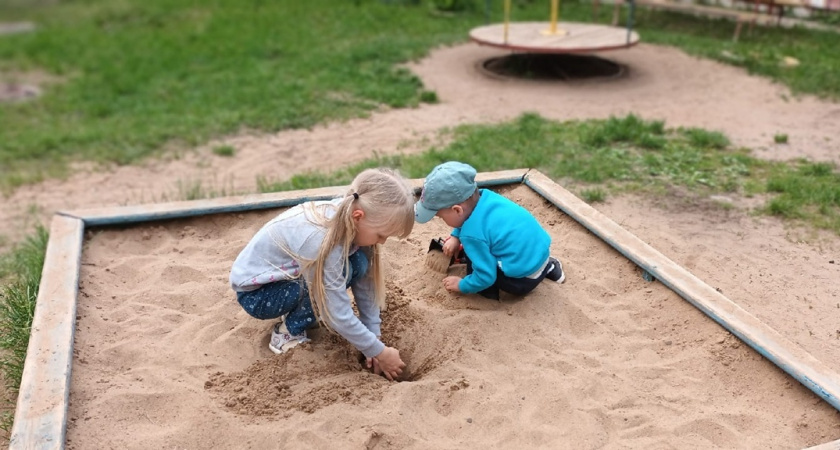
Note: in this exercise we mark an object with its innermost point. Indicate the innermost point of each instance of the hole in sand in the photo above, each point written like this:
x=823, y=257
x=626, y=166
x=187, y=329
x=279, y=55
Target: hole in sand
x=563, y=67
x=311, y=377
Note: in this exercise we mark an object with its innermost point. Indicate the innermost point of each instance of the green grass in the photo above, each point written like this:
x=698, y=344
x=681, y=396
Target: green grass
x=806, y=191
x=597, y=158
x=224, y=150
x=137, y=78
x=20, y=272
x=761, y=53
x=628, y=151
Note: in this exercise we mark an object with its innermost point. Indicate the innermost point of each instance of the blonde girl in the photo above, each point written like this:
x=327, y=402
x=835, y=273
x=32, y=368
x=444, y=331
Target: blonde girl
x=299, y=266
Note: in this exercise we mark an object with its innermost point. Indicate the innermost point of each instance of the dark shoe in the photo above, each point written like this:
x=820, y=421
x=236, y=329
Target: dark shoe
x=492, y=293
x=554, y=271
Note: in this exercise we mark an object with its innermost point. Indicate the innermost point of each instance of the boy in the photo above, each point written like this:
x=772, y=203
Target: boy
x=505, y=246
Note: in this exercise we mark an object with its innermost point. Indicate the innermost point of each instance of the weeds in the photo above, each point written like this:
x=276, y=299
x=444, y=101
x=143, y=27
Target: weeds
x=224, y=150
x=21, y=275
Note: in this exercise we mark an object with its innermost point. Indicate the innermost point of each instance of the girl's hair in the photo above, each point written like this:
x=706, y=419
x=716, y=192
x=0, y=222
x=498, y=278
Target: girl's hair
x=388, y=203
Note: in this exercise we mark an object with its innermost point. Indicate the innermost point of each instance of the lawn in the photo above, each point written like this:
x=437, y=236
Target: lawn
x=132, y=79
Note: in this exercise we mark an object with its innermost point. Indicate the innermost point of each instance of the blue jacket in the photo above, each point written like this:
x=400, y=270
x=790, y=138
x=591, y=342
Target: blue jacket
x=500, y=233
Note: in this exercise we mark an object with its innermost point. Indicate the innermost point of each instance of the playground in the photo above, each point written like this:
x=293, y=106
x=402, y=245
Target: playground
x=182, y=367
x=164, y=358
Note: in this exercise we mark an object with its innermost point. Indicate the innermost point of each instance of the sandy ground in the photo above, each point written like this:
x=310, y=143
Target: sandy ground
x=166, y=359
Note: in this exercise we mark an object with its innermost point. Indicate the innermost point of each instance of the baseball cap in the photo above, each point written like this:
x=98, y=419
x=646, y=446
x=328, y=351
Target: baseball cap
x=447, y=184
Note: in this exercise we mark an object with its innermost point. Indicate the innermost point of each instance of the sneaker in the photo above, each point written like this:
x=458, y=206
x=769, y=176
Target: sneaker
x=554, y=271
x=282, y=340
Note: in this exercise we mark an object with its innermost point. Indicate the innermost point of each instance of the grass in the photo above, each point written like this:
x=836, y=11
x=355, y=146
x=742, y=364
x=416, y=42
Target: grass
x=635, y=153
x=224, y=150
x=760, y=53
x=602, y=157
x=20, y=272
x=806, y=191
x=139, y=78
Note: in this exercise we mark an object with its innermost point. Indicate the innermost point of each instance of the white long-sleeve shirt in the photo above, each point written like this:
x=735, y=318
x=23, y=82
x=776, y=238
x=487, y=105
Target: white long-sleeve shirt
x=268, y=258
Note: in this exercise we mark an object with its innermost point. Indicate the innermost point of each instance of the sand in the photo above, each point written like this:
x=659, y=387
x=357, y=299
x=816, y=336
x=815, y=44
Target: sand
x=165, y=358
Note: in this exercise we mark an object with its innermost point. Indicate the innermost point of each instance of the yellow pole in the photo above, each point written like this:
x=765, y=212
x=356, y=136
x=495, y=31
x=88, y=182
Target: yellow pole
x=552, y=28
x=507, y=19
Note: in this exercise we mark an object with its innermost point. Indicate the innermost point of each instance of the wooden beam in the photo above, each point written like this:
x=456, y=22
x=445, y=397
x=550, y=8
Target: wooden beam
x=41, y=411
x=833, y=445
x=121, y=215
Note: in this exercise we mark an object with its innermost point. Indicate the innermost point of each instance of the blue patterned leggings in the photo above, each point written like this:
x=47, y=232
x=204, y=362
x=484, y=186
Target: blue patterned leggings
x=291, y=297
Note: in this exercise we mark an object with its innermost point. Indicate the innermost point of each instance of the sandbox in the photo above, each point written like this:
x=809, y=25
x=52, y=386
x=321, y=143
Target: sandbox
x=135, y=300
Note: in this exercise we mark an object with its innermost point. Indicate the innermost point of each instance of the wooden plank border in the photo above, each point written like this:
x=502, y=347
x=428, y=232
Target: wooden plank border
x=176, y=210
x=833, y=445
x=41, y=411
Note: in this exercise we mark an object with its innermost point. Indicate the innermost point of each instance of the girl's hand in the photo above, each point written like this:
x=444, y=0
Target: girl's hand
x=373, y=364
x=451, y=283
x=388, y=362
x=451, y=246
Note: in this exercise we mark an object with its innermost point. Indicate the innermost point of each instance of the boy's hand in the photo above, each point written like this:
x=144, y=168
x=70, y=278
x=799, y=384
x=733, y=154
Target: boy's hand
x=451, y=246
x=451, y=283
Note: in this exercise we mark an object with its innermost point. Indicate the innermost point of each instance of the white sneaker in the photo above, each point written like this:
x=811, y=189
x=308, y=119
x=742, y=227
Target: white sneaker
x=282, y=340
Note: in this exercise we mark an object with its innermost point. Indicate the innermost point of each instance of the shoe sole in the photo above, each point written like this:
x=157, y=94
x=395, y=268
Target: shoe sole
x=287, y=346
x=562, y=273
x=562, y=277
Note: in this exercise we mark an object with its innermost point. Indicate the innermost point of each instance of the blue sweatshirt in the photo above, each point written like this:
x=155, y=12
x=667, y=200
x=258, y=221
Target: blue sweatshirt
x=500, y=233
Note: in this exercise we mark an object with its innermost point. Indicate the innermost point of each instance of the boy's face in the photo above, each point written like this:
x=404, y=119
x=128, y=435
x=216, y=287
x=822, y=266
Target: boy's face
x=454, y=216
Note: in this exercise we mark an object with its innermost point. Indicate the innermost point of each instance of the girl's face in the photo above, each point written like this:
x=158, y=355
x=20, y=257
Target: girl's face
x=367, y=235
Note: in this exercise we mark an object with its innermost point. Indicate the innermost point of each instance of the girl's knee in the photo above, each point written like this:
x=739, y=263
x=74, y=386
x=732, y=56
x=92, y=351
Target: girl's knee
x=252, y=307
x=260, y=304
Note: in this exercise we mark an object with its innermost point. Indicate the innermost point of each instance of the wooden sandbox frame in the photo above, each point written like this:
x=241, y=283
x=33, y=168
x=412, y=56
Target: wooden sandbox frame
x=42, y=405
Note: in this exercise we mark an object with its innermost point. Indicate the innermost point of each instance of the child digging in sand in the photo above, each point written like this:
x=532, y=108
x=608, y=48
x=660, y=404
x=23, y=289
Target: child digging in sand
x=299, y=266
x=506, y=248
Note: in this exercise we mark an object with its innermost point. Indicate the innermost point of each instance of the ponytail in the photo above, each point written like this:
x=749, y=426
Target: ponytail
x=388, y=203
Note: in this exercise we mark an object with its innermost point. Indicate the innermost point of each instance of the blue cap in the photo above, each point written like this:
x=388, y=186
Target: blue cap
x=448, y=184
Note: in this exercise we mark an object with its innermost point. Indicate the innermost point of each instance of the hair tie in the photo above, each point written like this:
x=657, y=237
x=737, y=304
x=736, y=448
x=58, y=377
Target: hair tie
x=356, y=195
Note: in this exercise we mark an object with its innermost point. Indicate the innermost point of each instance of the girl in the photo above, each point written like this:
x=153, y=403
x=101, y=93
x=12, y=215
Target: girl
x=301, y=263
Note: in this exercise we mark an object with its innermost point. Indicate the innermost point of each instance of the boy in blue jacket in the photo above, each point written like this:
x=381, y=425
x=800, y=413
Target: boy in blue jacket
x=506, y=248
